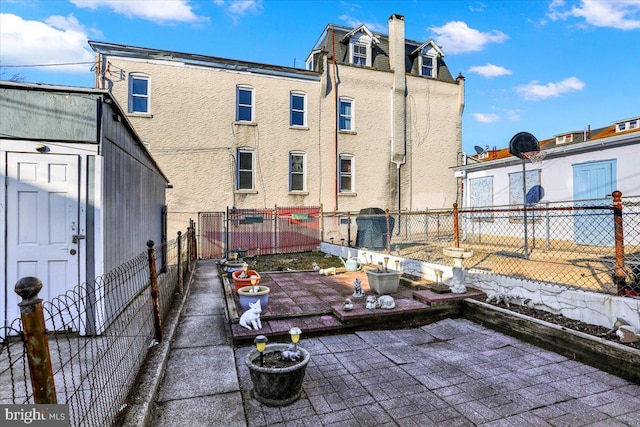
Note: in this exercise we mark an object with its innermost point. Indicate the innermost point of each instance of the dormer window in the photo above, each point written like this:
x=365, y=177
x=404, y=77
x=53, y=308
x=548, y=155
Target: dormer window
x=427, y=55
x=360, y=41
x=427, y=66
x=562, y=139
x=359, y=54
x=628, y=124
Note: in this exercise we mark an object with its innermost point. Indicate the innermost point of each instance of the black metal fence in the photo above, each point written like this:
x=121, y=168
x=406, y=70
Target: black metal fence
x=586, y=244
x=96, y=336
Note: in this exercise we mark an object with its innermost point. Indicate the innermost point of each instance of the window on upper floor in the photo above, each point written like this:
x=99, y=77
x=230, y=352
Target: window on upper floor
x=346, y=117
x=427, y=65
x=346, y=176
x=139, y=93
x=359, y=54
x=297, y=175
x=245, y=170
x=298, y=116
x=245, y=104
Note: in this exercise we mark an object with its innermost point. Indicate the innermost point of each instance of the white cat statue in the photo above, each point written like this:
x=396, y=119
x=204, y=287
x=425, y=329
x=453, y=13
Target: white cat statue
x=251, y=317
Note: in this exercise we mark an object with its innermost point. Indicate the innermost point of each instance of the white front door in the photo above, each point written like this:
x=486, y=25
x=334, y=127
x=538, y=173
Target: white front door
x=42, y=219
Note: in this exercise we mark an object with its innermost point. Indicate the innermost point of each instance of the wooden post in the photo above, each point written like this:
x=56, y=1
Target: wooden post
x=456, y=229
x=36, y=341
x=321, y=223
x=155, y=293
x=276, y=241
x=619, y=277
x=180, y=272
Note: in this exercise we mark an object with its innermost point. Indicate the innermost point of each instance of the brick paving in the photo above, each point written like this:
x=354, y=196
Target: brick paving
x=449, y=373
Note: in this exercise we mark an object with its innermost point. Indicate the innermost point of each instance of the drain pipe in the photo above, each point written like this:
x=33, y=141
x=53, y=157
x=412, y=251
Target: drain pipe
x=335, y=121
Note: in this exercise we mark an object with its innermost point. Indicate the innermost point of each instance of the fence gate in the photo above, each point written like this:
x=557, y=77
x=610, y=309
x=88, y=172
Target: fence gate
x=212, y=235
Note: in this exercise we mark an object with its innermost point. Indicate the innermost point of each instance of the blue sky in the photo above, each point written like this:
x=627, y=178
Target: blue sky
x=544, y=67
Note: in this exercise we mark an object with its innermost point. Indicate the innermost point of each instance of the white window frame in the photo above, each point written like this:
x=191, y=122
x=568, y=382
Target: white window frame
x=239, y=170
x=351, y=174
x=133, y=96
x=250, y=106
x=434, y=65
x=303, y=173
x=362, y=40
x=351, y=117
x=303, y=111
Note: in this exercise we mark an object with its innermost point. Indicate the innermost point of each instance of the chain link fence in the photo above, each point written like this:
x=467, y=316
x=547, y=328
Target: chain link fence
x=98, y=334
x=573, y=243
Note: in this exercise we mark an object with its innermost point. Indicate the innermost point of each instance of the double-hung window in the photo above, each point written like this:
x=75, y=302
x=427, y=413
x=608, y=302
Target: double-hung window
x=245, y=170
x=427, y=65
x=345, y=120
x=298, y=116
x=346, y=173
x=139, y=94
x=359, y=54
x=244, y=104
x=296, y=171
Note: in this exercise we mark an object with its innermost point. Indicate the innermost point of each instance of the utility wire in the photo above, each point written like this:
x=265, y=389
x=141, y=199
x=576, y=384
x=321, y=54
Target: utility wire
x=47, y=65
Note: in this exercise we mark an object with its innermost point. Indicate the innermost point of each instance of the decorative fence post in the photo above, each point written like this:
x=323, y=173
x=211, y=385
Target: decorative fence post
x=456, y=229
x=180, y=272
x=155, y=294
x=619, y=277
x=36, y=341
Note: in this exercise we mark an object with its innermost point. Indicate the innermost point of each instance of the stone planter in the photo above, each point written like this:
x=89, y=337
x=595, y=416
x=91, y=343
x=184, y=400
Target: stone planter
x=247, y=297
x=385, y=282
x=241, y=283
x=277, y=386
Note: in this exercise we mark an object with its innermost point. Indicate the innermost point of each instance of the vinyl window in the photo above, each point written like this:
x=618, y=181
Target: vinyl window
x=346, y=121
x=297, y=173
x=139, y=94
x=244, y=104
x=298, y=116
x=245, y=170
x=346, y=174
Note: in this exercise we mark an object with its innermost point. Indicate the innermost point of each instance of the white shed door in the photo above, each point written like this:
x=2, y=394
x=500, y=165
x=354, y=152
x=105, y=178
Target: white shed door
x=42, y=218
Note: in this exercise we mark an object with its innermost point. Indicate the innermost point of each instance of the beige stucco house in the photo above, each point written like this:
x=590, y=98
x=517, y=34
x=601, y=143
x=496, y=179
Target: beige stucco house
x=374, y=121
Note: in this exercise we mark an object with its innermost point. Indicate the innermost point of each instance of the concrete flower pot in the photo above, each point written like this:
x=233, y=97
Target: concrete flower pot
x=277, y=386
x=385, y=282
x=248, y=297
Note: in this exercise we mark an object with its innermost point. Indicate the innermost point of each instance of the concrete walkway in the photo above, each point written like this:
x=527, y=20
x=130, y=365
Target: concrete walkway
x=200, y=385
x=449, y=373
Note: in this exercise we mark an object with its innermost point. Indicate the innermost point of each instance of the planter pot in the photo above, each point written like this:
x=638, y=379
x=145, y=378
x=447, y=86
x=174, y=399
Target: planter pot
x=232, y=266
x=384, y=283
x=247, y=297
x=241, y=283
x=277, y=386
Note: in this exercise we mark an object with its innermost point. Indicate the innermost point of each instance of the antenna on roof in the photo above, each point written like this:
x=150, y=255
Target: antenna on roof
x=479, y=150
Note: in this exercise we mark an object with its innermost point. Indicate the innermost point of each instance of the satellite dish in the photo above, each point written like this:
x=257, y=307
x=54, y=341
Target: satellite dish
x=523, y=142
x=478, y=149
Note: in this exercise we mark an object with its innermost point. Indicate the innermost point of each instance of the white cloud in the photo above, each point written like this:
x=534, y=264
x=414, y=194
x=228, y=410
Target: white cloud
x=486, y=118
x=489, y=70
x=372, y=26
x=457, y=37
x=622, y=15
x=59, y=40
x=533, y=91
x=237, y=8
x=477, y=7
x=158, y=11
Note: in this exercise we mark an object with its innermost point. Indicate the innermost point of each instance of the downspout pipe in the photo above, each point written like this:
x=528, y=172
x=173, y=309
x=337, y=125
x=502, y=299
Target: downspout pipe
x=335, y=121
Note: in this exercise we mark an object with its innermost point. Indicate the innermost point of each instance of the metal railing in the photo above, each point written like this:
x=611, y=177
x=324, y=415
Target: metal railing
x=85, y=348
x=585, y=244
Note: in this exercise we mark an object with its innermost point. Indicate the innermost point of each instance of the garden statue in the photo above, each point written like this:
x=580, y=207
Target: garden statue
x=328, y=271
x=290, y=353
x=357, y=289
x=386, y=301
x=251, y=317
x=347, y=305
x=371, y=302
